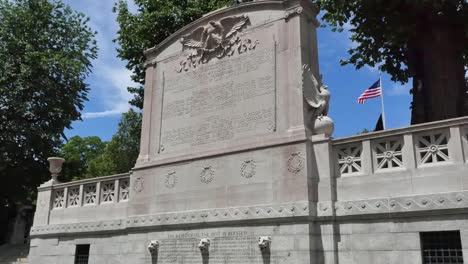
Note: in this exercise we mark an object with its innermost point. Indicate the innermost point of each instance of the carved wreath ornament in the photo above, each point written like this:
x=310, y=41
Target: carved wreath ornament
x=248, y=169
x=171, y=179
x=138, y=184
x=216, y=39
x=207, y=174
x=295, y=162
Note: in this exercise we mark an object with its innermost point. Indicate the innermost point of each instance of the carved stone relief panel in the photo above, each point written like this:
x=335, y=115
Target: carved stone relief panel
x=124, y=189
x=59, y=198
x=170, y=180
x=432, y=147
x=216, y=39
x=108, y=194
x=349, y=159
x=295, y=162
x=248, y=168
x=138, y=184
x=74, y=196
x=90, y=194
x=207, y=174
x=388, y=154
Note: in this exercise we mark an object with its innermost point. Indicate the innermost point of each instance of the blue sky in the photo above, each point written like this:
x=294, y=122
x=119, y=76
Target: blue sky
x=108, y=97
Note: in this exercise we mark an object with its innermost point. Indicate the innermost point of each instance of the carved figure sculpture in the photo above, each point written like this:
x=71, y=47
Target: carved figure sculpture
x=153, y=246
x=264, y=242
x=215, y=38
x=317, y=97
x=204, y=244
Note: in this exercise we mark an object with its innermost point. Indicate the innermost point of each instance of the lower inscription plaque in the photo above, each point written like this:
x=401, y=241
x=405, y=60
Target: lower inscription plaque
x=220, y=101
x=233, y=247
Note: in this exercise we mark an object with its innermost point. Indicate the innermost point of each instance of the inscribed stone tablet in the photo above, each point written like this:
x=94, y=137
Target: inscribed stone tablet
x=234, y=247
x=219, y=102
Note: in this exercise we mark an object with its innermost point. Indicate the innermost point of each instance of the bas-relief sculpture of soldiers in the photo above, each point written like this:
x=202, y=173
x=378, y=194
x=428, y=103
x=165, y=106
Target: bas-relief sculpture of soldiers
x=317, y=98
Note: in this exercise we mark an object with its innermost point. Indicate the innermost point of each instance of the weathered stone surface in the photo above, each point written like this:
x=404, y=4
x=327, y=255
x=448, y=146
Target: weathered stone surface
x=232, y=170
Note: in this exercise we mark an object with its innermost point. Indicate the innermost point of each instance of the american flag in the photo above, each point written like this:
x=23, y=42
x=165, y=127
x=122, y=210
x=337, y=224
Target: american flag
x=374, y=91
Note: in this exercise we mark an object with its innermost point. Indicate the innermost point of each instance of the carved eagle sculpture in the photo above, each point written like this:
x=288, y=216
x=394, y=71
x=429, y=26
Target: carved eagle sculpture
x=316, y=94
x=215, y=35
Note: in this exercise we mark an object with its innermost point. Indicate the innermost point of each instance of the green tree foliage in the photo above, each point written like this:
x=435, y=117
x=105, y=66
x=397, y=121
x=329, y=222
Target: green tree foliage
x=45, y=54
x=155, y=21
x=122, y=151
x=424, y=39
x=78, y=152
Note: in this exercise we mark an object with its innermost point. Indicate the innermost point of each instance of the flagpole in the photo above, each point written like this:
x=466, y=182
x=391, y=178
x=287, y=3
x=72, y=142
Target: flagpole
x=382, y=97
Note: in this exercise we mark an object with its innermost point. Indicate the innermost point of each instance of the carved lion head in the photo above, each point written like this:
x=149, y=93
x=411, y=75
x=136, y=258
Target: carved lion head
x=153, y=246
x=264, y=242
x=204, y=244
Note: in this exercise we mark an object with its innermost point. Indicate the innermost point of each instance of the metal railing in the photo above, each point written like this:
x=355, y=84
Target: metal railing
x=445, y=256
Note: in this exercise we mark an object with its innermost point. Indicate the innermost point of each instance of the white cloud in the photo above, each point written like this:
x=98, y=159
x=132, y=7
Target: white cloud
x=399, y=90
x=110, y=78
x=113, y=92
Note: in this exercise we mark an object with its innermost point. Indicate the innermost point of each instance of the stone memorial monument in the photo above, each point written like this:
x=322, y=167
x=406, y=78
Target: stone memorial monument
x=237, y=164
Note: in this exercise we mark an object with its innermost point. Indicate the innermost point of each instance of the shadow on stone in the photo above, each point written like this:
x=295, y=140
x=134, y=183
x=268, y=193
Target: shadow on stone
x=154, y=258
x=266, y=255
x=205, y=256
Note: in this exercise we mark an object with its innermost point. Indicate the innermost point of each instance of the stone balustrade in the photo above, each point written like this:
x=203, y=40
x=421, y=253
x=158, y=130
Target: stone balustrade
x=91, y=192
x=97, y=199
x=416, y=147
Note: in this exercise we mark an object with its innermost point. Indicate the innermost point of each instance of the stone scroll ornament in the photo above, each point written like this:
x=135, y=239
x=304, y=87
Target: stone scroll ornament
x=217, y=39
x=317, y=98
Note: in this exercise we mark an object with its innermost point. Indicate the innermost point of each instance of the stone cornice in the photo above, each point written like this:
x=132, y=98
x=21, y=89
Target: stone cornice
x=298, y=209
x=391, y=205
x=305, y=211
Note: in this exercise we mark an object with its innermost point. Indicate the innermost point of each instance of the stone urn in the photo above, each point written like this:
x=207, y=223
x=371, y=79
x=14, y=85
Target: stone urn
x=324, y=125
x=55, y=167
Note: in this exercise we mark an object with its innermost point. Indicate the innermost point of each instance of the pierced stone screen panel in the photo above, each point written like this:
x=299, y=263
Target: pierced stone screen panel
x=218, y=102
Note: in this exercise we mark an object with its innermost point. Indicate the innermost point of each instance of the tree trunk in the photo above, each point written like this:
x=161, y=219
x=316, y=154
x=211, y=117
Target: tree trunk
x=439, y=89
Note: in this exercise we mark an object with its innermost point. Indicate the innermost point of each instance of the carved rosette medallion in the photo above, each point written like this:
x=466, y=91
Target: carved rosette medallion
x=138, y=184
x=171, y=180
x=216, y=39
x=248, y=169
x=295, y=162
x=207, y=174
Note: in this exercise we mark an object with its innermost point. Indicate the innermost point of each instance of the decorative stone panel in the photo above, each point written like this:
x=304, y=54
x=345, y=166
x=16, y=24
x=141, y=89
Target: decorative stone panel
x=59, y=198
x=388, y=154
x=432, y=147
x=108, y=192
x=90, y=194
x=349, y=159
x=74, y=196
x=124, y=189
